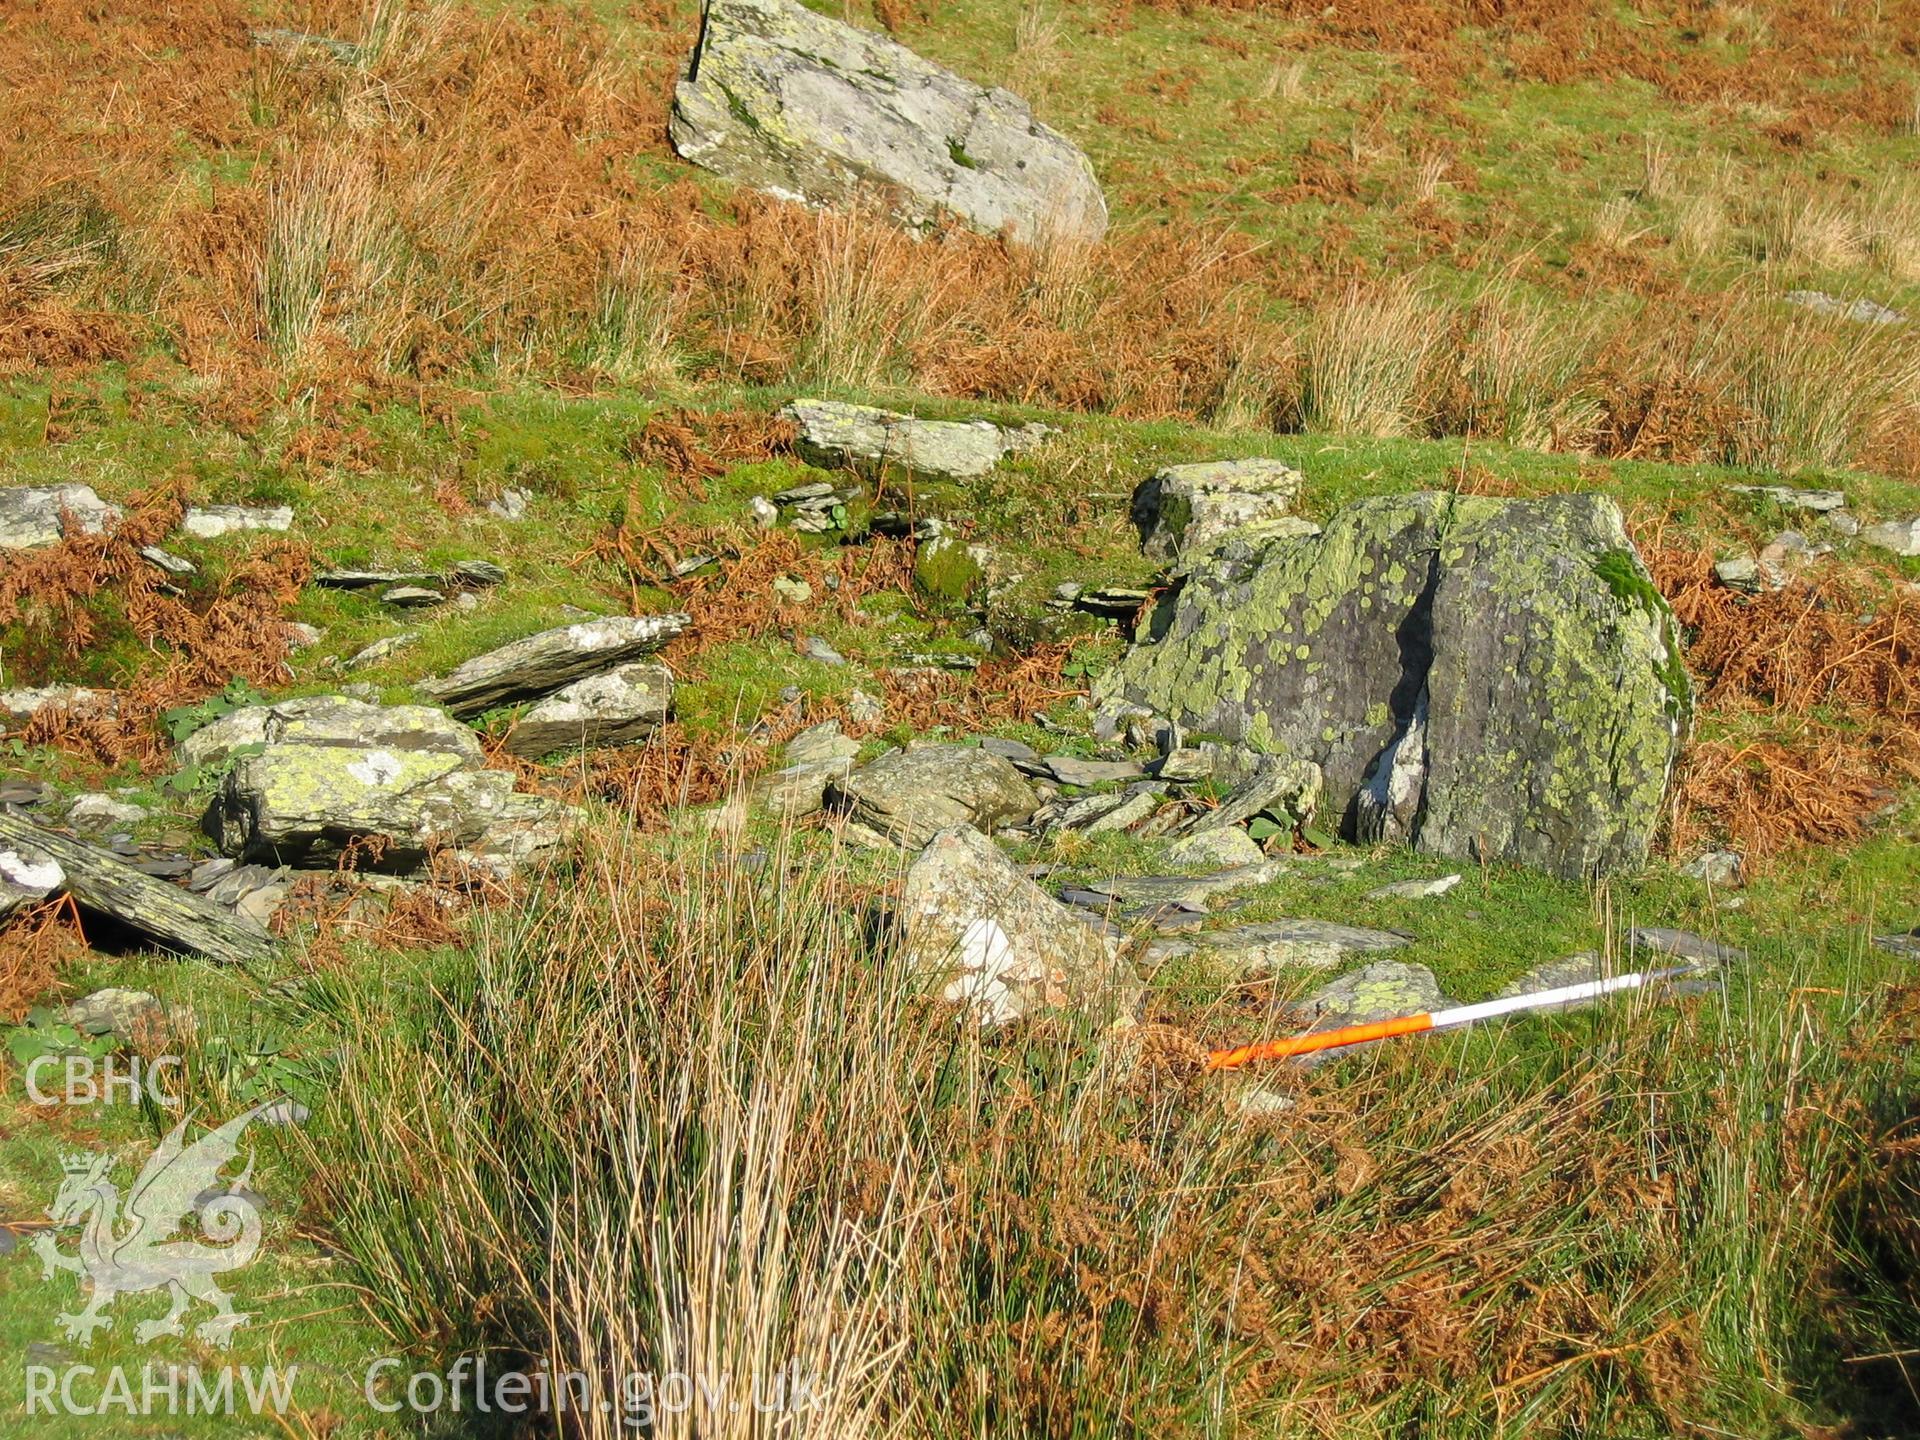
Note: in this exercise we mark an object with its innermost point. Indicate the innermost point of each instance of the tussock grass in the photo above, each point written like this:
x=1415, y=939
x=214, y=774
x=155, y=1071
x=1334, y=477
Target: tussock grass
x=688, y=1116
x=1816, y=390
x=1363, y=360
x=1522, y=375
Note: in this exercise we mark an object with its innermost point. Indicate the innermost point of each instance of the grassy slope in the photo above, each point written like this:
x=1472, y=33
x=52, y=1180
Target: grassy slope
x=1544, y=158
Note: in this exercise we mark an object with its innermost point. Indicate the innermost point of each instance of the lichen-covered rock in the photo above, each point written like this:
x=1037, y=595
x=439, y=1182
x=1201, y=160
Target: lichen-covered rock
x=331, y=720
x=1187, y=510
x=616, y=708
x=1228, y=845
x=1384, y=990
x=808, y=108
x=30, y=515
x=542, y=663
x=299, y=803
x=996, y=941
x=1485, y=678
x=835, y=432
x=907, y=796
x=1270, y=945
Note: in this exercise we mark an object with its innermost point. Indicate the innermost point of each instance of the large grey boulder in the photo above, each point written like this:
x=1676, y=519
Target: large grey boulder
x=1484, y=678
x=621, y=706
x=331, y=720
x=835, y=432
x=542, y=663
x=996, y=941
x=807, y=108
x=1192, y=509
x=907, y=796
x=296, y=803
x=30, y=515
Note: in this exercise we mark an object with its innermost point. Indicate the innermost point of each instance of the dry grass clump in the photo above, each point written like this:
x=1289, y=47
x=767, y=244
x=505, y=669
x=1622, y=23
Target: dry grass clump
x=686, y=1114
x=1363, y=359
x=1522, y=374
x=1817, y=391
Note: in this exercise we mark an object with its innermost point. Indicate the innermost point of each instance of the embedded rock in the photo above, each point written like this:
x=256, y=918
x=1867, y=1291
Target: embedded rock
x=27, y=876
x=331, y=720
x=1486, y=678
x=541, y=664
x=1684, y=945
x=103, y=812
x=1902, y=537
x=808, y=108
x=209, y=522
x=999, y=944
x=135, y=1016
x=1270, y=945
x=1793, y=498
x=907, y=796
x=1415, y=889
x=1229, y=845
x=1192, y=509
x=19, y=706
x=1384, y=990
x=623, y=705
x=30, y=516
x=834, y=432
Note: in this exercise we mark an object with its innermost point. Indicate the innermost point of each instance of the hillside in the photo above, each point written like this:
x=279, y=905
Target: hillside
x=424, y=568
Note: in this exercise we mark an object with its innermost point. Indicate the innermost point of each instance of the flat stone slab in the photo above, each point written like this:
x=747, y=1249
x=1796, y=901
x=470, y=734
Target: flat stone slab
x=210, y=522
x=542, y=663
x=1269, y=945
x=1906, y=946
x=808, y=108
x=1382, y=990
x=833, y=432
x=331, y=720
x=616, y=708
x=1415, y=889
x=30, y=514
x=907, y=796
x=1684, y=944
x=1286, y=789
x=1793, y=498
x=1199, y=892
x=1072, y=770
x=1902, y=537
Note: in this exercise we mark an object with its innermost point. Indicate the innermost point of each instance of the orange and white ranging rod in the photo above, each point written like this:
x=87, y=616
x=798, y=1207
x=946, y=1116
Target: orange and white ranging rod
x=1436, y=1019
